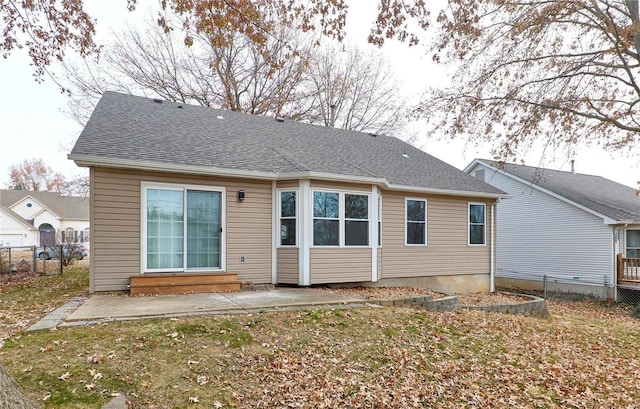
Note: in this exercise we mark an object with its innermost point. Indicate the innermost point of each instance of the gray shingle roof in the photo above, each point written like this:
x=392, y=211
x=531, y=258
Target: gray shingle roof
x=135, y=129
x=65, y=207
x=604, y=196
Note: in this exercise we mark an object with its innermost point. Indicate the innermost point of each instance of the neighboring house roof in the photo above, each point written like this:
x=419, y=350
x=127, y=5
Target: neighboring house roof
x=64, y=207
x=603, y=196
x=140, y=133
x=28, y=224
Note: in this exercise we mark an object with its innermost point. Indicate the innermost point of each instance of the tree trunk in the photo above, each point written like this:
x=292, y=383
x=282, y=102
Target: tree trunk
x=11, y=396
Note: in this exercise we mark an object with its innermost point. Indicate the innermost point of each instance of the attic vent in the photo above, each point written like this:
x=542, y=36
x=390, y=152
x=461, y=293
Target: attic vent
x=279, y=119
x=157, y=100
x=220, y=117
x=404, y=155
x=374, y=135
x=180, y=106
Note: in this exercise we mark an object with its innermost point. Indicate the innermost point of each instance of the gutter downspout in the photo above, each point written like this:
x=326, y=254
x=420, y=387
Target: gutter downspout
x=492, y=266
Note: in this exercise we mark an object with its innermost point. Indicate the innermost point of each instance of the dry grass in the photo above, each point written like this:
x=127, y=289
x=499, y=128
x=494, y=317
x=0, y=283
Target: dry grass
x=586, y=356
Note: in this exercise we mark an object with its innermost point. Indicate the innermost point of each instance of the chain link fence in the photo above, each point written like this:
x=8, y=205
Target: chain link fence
x=27, y=259
x=573, y=288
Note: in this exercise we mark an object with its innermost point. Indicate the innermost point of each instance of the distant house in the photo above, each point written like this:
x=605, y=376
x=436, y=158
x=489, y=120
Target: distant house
x=179, y=189
x=42, y=218
x=565, y=225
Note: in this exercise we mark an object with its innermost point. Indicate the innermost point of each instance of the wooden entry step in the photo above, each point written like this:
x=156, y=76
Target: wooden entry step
x=178, y=283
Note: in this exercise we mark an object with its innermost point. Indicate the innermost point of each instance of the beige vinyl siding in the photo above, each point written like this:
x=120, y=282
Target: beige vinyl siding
x=115, y=234
x=288, y=265
x=340, y=265
x=249, y=230
x=447, y=251
x=115, y=224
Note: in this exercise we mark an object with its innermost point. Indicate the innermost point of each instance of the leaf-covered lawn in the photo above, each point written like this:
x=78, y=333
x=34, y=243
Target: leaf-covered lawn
x=586, y=356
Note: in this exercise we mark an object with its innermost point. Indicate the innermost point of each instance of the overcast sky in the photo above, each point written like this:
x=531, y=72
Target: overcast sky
x=33, y=123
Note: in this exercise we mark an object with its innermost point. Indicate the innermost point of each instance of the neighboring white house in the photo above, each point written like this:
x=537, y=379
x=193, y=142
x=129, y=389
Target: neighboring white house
x=567, y=226
x=42, y=218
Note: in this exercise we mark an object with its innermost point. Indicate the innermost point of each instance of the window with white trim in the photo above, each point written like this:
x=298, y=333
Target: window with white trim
x=416, y=221
x=288, y=217
x=326, y=219
x=356, y=220
x=340, y=219
x=182, y=228
x=477, y=223
x=633, y=243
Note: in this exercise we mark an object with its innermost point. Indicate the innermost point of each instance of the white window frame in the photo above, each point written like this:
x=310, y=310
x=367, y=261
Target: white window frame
x=341, y=217
x=626, y=240
x=280, y=218
x=484, y=223
x=426, y=221
x=184, y=188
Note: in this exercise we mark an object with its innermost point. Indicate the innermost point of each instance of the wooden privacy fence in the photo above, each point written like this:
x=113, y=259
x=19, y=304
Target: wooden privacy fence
x=628, y=268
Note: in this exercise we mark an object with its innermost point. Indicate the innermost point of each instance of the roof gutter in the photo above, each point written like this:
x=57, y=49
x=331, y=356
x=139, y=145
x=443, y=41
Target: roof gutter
x=86, y=161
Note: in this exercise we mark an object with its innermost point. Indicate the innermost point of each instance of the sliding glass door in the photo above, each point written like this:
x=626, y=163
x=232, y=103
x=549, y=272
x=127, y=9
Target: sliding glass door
x=183, y=229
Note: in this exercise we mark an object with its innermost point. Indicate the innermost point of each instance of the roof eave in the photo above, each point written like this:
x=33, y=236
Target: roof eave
x=87, y=160
x=606, y=219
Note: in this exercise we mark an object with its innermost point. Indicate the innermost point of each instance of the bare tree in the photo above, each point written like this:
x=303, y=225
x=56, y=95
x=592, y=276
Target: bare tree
x=564, y=73
x=356, y=90
x=240, y=76
x=47, y=29
x=289, y=78
x=35, y=175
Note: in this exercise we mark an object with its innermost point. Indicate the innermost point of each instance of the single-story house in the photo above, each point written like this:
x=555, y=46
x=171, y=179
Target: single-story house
x=42, y=218
x=180, y=189
x=565, y=225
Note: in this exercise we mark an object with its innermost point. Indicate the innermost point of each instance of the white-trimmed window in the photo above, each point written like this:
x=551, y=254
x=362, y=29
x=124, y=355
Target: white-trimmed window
x=477, y=224
x=416, y=221
x=356, y=220
x=340, y=219
x=69, y=235
x=182, y=227
x=326, y=219
x=288, y=217
x=633, y=243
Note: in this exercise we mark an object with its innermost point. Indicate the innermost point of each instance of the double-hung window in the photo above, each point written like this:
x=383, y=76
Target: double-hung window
x=633, y=243
x=416, y=221
x=288, y=212
x=477, y=223
x=326, y=219
x=182, y=228
x=340, y=219
x=356, y=220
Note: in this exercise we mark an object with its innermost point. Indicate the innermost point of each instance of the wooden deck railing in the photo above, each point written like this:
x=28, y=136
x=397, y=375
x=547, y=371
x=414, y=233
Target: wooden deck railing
x=628, y=268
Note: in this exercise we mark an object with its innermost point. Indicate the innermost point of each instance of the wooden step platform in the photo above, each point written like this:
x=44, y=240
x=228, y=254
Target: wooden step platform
x=180, y=283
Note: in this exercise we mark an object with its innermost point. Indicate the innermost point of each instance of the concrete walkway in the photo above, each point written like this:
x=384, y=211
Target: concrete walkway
x=115, y=307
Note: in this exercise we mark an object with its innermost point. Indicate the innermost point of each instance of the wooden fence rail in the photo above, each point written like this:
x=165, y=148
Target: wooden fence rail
x=628, y=268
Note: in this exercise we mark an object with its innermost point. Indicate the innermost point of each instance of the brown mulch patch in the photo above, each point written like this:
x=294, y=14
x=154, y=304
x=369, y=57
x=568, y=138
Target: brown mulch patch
x=386, y=293
x=491, y=299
